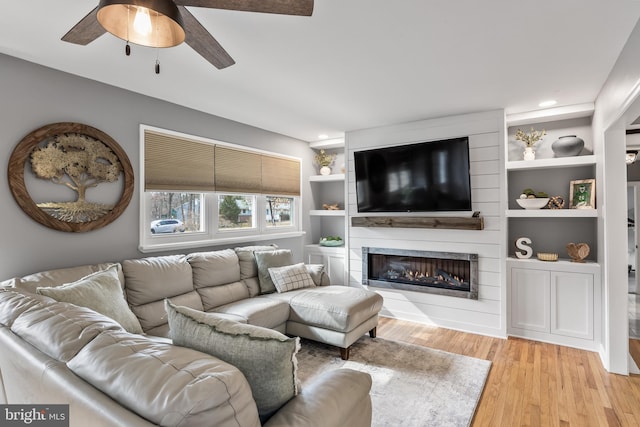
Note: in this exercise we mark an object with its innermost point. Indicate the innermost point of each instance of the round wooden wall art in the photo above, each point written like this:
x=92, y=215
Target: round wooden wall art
x=80, y=158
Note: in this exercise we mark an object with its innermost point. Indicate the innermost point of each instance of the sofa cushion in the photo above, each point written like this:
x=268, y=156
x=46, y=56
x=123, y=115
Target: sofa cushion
x=101, y=292
x=153, y=317
x=166, y=384
x=59, y=329
x=14, y=302
x=268, y=259
x=338, y=308
x=267, y=358
x=248, y=267
x=216, y=277
x=214, y=268
x=148, y=281
x=156, y=278
x=257, y=311
x=57, y=277
x=291, y=277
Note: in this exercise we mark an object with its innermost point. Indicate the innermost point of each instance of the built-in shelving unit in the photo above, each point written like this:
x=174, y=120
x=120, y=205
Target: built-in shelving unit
x=328, y=189
x=559, y=301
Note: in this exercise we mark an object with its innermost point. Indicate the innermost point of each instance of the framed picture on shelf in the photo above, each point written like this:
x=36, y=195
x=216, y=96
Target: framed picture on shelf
x=582, y=194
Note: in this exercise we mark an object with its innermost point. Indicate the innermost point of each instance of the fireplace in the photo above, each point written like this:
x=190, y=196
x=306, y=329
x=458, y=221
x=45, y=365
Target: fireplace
x=443, y=273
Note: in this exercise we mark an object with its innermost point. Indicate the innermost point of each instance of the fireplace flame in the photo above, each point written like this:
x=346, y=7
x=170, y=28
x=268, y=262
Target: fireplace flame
x=425, y=276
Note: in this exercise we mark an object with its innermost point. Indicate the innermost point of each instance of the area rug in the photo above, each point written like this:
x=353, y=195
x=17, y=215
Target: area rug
x=413, y=386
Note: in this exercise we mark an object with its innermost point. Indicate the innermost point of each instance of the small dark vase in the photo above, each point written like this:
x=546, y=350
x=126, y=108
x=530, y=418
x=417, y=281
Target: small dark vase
x=569, y=145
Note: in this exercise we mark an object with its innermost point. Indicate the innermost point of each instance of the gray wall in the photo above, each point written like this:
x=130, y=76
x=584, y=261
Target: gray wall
x=33, y=96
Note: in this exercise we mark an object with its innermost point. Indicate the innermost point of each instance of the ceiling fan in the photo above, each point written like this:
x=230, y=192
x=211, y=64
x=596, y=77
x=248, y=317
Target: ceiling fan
x=166, y=23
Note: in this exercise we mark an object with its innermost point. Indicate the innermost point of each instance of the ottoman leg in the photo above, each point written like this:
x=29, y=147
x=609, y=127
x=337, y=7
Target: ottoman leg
x=372, y=333
x=344, y=353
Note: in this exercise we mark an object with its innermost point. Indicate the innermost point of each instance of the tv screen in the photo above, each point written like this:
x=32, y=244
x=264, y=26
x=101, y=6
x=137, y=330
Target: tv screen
x=423, y=177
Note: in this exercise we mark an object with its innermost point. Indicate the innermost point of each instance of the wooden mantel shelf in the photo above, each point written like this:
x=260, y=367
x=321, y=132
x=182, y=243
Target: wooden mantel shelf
x=449, y=222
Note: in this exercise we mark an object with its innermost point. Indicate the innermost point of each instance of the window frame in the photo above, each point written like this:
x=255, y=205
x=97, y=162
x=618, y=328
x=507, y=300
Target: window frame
x=211, y=235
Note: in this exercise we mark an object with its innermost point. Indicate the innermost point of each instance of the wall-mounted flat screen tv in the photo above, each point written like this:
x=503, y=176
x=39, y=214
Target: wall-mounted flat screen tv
x=422, y=177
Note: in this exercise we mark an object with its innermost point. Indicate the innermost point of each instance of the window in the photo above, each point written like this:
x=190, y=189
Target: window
x=236, y=212
x=181, y=209
x=199, y=192
x=279, y=211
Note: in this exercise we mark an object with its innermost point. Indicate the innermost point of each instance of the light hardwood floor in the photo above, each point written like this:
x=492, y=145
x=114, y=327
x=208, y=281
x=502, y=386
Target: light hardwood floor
x=533, y=383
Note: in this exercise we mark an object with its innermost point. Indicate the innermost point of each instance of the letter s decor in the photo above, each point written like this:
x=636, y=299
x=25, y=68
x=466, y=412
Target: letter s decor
x=523, y=251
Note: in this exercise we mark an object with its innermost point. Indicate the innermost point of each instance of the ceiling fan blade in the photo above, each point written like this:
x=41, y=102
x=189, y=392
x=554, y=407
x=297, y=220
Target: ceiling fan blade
x=203, y=42
x=85, y=31
x=284, y=7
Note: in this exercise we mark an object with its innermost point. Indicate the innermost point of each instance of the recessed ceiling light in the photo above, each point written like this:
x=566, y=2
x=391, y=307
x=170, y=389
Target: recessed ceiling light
x=323, y=136
x=549, y=103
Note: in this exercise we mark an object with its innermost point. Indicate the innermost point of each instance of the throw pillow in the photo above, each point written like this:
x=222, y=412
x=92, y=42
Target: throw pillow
x=248, y=267
x=291, y=277
x=266, y=357
x=101, y=292
x=268, y=259
x=319, y=276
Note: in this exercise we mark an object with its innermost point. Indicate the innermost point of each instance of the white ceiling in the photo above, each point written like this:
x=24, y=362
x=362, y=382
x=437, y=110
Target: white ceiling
x=354, y=64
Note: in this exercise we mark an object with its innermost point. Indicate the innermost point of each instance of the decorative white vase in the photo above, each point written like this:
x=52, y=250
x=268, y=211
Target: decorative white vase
x=325, y=170
x=529, y=154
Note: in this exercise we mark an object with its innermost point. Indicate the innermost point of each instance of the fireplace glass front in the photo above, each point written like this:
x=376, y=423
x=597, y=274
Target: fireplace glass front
x=442, y=273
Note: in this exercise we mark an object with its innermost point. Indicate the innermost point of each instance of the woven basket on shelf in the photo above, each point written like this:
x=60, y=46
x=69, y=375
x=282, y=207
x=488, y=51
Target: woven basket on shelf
x=546, y=256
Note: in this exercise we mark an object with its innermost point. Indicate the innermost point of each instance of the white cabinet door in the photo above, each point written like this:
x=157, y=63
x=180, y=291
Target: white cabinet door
x=572, y=304
x=335, y=269
x=333, y=263
x=530, y=299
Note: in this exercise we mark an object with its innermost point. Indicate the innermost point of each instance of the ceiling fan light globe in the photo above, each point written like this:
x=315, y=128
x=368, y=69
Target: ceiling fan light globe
x=119, y=18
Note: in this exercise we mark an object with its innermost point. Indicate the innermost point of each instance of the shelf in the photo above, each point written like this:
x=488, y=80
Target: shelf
x=551, y=114
x=323, y=212
x=556, y=162
x=327, y=144
x=327, y=178
x=326, y=249
x=562, y=263
x=552, y=213
x=446, y=222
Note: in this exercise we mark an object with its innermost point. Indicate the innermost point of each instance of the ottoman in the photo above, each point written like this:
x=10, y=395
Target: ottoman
x=335, y=315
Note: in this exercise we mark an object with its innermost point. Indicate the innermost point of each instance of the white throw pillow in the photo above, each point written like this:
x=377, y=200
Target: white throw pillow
x=291, y=277
x=101, y=292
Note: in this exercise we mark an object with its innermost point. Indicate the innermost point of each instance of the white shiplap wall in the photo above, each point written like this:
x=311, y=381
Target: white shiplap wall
x=487, y=315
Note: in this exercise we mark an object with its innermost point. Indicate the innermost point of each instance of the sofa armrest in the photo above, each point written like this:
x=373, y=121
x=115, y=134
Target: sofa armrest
x=334, y=399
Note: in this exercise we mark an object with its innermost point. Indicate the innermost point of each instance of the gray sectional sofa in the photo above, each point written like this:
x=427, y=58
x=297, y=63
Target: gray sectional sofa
x=57, y=352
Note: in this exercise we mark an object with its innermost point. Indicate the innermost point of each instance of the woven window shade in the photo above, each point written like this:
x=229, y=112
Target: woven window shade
x=237, y=171
x=173, y=163
x=280, y=176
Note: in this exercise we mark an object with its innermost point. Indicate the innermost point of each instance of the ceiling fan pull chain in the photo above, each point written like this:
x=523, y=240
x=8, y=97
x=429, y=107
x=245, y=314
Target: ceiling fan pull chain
x=127, y=48
x=157, y=44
